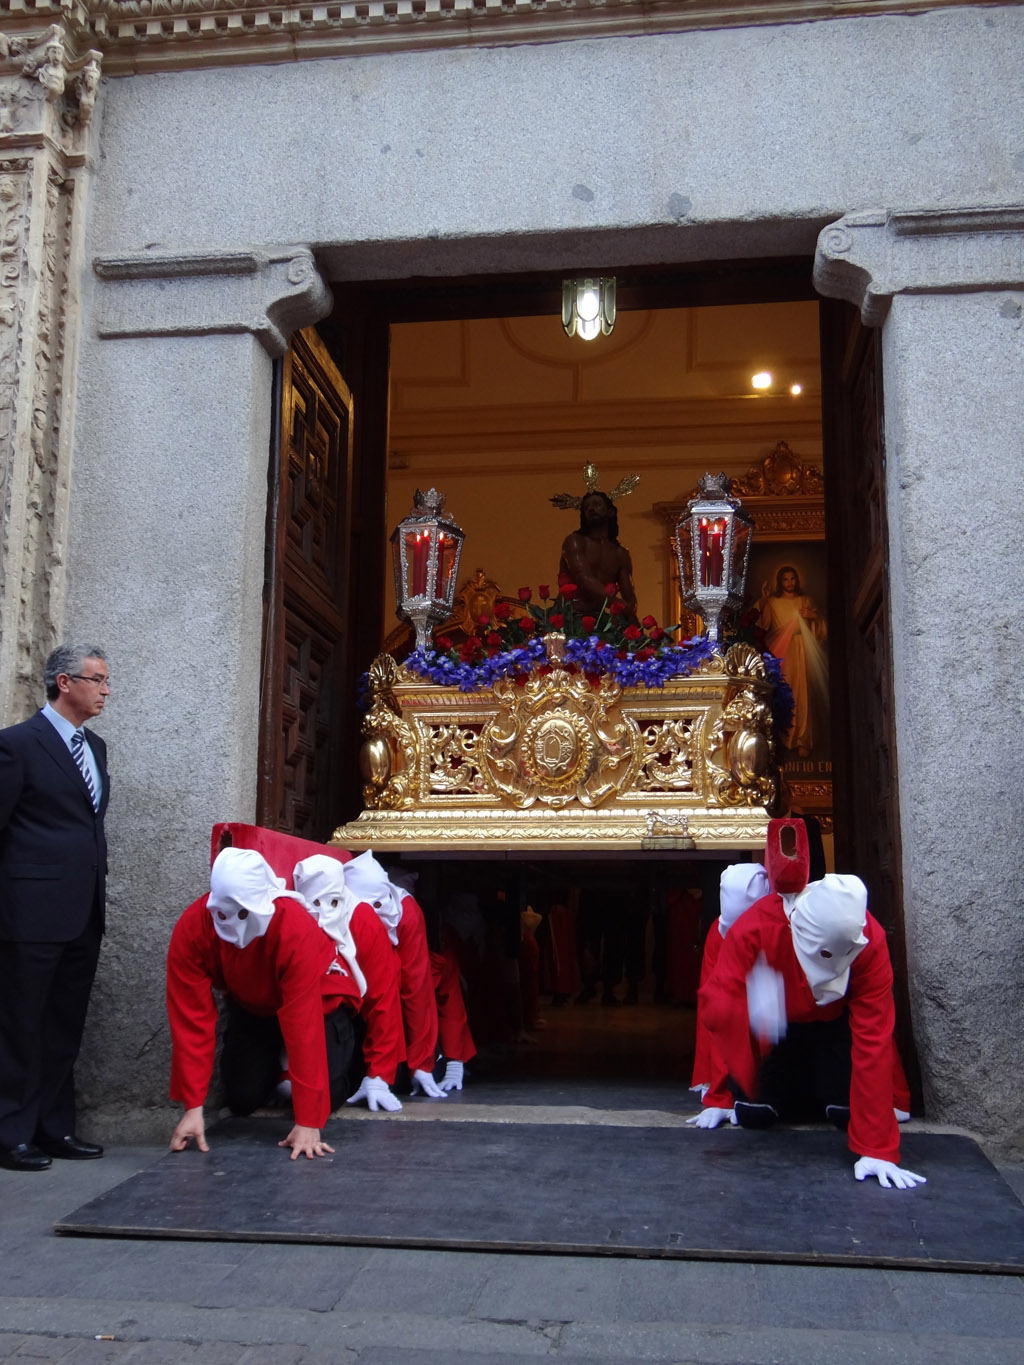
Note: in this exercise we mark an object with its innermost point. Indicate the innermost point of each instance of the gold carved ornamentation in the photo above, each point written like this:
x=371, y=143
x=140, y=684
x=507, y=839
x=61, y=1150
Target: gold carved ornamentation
x=562, y=763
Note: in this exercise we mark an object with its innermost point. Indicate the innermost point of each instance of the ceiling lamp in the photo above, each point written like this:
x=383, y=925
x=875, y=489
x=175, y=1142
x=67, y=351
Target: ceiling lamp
x=588, y=307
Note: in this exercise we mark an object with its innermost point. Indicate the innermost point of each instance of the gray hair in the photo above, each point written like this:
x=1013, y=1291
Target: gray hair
x=67, y=659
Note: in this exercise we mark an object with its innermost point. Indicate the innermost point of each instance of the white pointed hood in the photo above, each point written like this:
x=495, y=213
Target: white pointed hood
x=741, y=885
x=243, y=889
x=828, y=921
x=320, y=883
x=368, y=882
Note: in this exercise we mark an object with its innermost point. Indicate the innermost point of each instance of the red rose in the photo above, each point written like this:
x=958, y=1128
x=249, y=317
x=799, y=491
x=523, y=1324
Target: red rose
x=646, y=653
x=648, y=622
x=484, y=620
x=527, y=623
x=493, y=638
x=633, y=633
x=544, y=670
x=589, y=622
x=503, y=611
x=525, y=594
x=657, y=633
x=616, y=608
x=611, y=590
x=443, y=642
x=594, y=679
x=543, y=591
x=622, y=654
x=520, y=679
x=572, y=668
x=569, y=589
x=557, y=620
x=562, y=578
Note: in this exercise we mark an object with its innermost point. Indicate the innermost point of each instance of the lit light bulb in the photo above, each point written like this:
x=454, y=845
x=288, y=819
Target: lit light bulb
x=588, y=302
x=761, y=380
x=796, y=390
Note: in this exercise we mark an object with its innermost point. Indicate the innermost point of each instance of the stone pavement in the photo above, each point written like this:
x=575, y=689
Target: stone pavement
x=83, y=1300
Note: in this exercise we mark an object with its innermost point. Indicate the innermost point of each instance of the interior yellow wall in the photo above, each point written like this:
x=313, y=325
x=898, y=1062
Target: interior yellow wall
x=500, y=414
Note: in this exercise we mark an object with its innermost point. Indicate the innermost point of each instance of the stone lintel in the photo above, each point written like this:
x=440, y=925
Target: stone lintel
x=868, y=257
x=270, y=292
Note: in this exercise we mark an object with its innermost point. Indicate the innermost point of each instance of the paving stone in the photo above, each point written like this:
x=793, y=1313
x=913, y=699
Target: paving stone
x=443, y=1283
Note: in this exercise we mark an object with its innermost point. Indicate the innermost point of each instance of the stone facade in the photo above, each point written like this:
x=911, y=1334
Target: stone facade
x=244, y=156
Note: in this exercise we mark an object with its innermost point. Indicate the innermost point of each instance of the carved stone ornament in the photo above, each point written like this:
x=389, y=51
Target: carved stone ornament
x=49, y=79
x=561, y=762
x=161, y=35
x=866, y=258
x=270, y=292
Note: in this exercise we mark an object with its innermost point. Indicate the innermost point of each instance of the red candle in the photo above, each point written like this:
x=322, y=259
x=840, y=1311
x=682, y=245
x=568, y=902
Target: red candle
x=439, y=574
x=703, y=552
x=716, y=556
x=420, y=554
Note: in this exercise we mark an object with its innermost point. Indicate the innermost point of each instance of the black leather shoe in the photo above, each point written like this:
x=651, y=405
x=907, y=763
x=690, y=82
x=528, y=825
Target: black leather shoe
x=24, y=1157
x=70, y=1148
x=751, y=1115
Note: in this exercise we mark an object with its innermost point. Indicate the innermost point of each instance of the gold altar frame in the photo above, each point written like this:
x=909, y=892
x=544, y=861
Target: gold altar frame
x=785, y=496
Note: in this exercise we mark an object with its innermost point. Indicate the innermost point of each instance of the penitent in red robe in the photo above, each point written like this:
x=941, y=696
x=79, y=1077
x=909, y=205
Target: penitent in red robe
x=285, y=972
x=873, y=1130
x=432, y=1003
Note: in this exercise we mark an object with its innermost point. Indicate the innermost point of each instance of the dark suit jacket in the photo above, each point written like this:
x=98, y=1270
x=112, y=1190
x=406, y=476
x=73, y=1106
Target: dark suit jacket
x=53, y=852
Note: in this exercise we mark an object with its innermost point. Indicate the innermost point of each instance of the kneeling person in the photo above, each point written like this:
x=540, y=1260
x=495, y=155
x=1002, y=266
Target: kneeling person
x=801, y=1000
x=285, y=985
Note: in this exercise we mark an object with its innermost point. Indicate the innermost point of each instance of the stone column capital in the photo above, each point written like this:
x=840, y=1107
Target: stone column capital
x=868, y=257
x=270, y=292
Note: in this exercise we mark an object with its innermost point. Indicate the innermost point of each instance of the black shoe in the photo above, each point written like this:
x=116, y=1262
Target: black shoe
x=749, y=1115
x=24, y=1157
x=838, y=1114
x=70, y=1148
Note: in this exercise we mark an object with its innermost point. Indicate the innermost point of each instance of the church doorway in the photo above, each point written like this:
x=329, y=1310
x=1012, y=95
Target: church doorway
x=471, y=386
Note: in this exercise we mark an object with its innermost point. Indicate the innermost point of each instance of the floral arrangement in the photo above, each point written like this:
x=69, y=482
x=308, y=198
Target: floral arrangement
x=510, y=644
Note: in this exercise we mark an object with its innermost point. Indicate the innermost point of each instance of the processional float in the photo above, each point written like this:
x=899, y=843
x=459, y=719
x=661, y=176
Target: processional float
x=548, y=731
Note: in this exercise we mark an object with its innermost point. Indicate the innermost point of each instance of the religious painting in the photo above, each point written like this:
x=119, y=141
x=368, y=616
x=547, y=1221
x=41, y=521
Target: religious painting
x=784, y=610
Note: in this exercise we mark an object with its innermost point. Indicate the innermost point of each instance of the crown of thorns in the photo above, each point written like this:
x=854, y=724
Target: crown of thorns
x=590, y=478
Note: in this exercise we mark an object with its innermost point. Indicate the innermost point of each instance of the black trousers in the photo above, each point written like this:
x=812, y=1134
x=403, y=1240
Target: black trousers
x=809, y=1069
x=250, y=1062
x=44, y=996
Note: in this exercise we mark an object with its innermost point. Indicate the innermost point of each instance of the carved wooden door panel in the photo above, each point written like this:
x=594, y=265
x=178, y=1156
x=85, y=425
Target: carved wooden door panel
x=865, y=793
x=304, y=666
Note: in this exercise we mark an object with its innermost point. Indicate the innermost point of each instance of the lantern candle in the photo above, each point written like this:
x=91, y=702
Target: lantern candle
x=420, y=554
x=439, y=573
x=704, y=551
x=716, y=556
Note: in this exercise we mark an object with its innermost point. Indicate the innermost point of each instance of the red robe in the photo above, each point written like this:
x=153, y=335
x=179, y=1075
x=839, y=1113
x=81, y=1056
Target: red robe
x=419, y=1007
x=381, y=1006
x=873, y=1130
x=285, y=972
x=453, y=1026
x=703, y=1067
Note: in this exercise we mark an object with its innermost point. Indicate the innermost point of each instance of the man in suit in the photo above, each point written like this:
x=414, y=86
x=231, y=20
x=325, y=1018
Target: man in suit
x=54, y=789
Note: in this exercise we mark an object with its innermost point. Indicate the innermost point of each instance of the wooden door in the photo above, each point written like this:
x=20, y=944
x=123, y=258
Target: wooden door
x=305, y=662
x=865, y=792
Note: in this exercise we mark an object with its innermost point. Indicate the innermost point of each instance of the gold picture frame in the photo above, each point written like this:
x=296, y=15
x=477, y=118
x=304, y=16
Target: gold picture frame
x=784, y=494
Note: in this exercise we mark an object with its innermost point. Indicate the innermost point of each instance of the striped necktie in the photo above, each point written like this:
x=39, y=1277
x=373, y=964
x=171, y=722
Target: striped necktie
x=78, y=754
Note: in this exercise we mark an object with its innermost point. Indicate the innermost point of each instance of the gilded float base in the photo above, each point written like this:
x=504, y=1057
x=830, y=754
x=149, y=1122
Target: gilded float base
x=541, y=831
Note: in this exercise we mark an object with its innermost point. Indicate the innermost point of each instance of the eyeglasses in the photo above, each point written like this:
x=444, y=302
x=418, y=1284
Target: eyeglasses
x=98, y=679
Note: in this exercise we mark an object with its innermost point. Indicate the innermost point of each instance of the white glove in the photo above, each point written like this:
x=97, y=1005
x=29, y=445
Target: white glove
x=902, y=1115
x=701, y=1089
x=452, y=1078
x=423, y=1080
x=377, y=1094
x=886, y=1172
x=766, y=1001
x=712, y=1117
